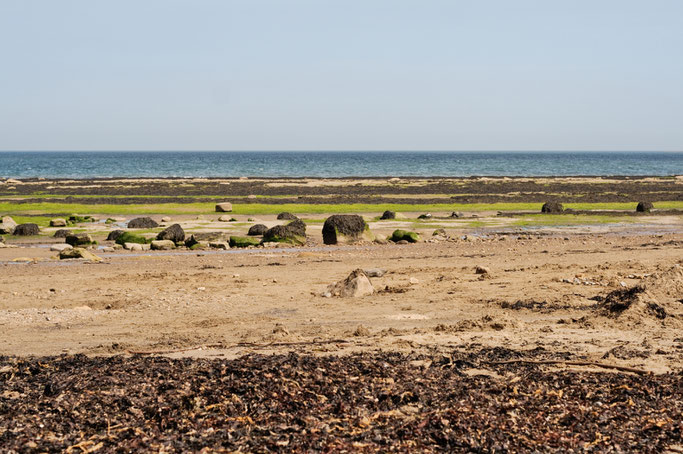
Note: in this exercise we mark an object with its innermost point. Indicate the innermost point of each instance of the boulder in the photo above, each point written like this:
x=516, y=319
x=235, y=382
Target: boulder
x=27, y=229
x=388, y=215
x=7, y=225
x=243, y=241
x=60, y=247
x=62, y=233
x=79, y=253
x=77, y=218
x=79, y=239
x=162, y=245
x=345, y=228
x=142, y=223
x=127, y=237
x=115, y=234
x=286, y=216
x=191, y=241
x=136, y=246
x=644, y=207
x=219, y=245
x=257, y=230
x=552, y=207
x=292, y=233
x=173, y=233
x=355, y=285
x=225, y=218
x=58, y=222
x=224, y=207
x=481, y=270
x=404, y=235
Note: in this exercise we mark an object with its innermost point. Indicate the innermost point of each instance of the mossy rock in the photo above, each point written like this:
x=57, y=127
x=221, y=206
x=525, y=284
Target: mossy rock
x=77, y=219
x=128, y=237
x=243, y=241
x=410, y=237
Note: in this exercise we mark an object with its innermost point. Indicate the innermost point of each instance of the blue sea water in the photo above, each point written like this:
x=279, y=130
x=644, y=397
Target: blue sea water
x=335, y=164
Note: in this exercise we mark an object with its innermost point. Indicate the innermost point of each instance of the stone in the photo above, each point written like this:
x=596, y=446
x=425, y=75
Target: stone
x=374, y=272
x=27, y=229
x=257, y=230
x=79, y=239
x=457, y=214
x=243, y=241
x=224, y=218
x=61, y=233
x=108, y=249
x=388, y=215
x=481, y=270
x=58, y=222
x=223, y=207
x=191, y=241
x=292, y=233
x=552, y=207
x=380, y=239
x=115, y=234
x=404, y=235
x=142, y=223
x=286, y=216
x=356, y=285
x=644, y=207
x=414, y=281
x=79, y=253
x=219, y=245
x=439, y=232
x=174, y=233
x=162, y=245
x=425, y=216
x=60, y=247
x=361, y=331
x=345, y=229
x=166, y=219
x=133, y=246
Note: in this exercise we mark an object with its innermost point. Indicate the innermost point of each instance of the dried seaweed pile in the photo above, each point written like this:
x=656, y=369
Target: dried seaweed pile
x=361, y=403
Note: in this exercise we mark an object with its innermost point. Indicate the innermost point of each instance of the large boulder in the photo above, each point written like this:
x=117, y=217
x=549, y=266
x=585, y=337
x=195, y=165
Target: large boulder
x=355, y=285
x=257, y=230
x=345, y=228
x=58, y=222
x=388, y=215
x=644, y=207
x=162, y=245
x=27, y=229
x=115, y=234
x=286, y=216
x=292, y=233
x=404, y=235
x=142, y=223
x=552, y=208
x=7, y=225
x=79, y=239
x=79, y=253
x=173, y=233
x=223, y=207
x=62, y=233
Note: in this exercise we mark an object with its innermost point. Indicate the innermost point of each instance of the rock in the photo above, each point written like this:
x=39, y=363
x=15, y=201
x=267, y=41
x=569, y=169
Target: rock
x=292, y=233
x=402, y=242
x=62, y=233
x=162, y=245
x=2, y=245
x=27, y=229
x=60, y=247
x=77, y=219
x=425, y=216
x=457, y=214
x=552, y=207
x=219, y=245
x=243, y=241
x=174, y=233
x=375, y=272
x=223, y=207
x=142, y=223
x=257, y=230
x=388, y=215
x=224, y=218
x=380, y=239
x=128, y=237
x=166, y=219
x=361, y=331
x=355, y=285
x=108, y=249
x=345, y=228
x=79, y=253
x=58, y=222
x=481, y=270
x=115, y=234
x=191, y=241
x=414, y=281
x=79, y=239
x=439, y=232
x=644, y=207
x=404, y=235
x=287, y=216
x=134, y=246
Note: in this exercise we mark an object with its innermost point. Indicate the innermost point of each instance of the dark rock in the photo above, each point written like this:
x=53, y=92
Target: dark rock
x=27, y=229
x=644, y=207
x=345, y=228
x=191, y=241
x=292, y=233
x=425, y=216
x=174, y=233
x=256, y=230
x=79, y=239
x=115, y=234
x=552, y=207
x=287, y=216
x=142, y=223
x=388, y=215
x=457, y=214
x=243, y=241
x=439, y=232
x=62, y=233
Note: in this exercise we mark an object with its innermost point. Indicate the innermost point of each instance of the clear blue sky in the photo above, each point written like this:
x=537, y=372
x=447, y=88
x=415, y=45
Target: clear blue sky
x=342, y=75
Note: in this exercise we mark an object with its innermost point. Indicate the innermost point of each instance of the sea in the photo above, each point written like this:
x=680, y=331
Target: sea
x=164, y=164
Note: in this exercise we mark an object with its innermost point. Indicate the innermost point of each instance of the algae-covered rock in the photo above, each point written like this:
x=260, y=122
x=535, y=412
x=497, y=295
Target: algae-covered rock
x=404, y=235
x=257, y=230
x=27, y=229
x=142, y=223
x=127, y=237
x=115, y=234
x=644, y=207
x=552, y=207
x=58, y=222
x=388, y=215
x=61, y=233
x=345, y=228
x=286, y=216
x=79, y=239
x=243, y=241
x=173, y=233
x=292, y=233
x=77, y=219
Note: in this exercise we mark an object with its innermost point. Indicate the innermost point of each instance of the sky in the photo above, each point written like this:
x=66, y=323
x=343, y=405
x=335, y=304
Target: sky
x=341, y=75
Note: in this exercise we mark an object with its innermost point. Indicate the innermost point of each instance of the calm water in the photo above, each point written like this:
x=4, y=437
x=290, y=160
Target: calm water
x=333, y=164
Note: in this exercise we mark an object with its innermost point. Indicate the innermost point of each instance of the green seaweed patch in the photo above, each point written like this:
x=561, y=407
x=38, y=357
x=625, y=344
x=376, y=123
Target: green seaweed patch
x=78, y=219
x=129, y=237
x=399, y=235
x=243, y=241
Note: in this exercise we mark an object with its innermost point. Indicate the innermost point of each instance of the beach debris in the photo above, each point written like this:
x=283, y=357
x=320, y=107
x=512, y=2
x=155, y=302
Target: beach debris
x=28, y=229
x=404, y=235
x=552, y=207
x=61, y=233
x=292, y=233
x=286, y=216
x=345, y=229
x=374, y=272
x=78, y=239
x=257, y=230
x=142, y=223
x=58, y=222
x=388, y=215
x=115, y=234
x=79, y=253
x=356, y=285
x=223, y=207
x=174, y=233
x=644, y=207
x=162, y=245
